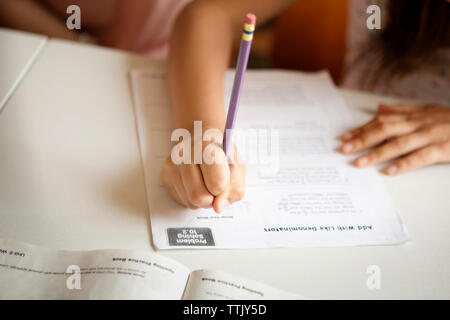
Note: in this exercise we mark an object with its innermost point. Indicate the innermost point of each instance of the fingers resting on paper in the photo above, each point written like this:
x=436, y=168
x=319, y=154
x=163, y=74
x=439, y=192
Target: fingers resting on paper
x=412, y=136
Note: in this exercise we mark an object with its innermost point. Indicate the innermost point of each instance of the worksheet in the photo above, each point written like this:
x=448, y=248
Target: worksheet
x=32, y=272
x=300, y=191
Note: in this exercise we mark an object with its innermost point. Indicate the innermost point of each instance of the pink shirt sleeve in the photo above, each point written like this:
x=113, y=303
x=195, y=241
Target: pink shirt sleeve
x=145, y=26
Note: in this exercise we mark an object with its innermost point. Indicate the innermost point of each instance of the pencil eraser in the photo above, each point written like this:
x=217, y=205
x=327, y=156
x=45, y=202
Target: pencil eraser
x=250, y=18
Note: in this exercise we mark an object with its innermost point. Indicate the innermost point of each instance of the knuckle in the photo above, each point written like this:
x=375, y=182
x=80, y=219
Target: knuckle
x=379, y=119
x=362, y=141
x=200, y=199
x=442, y=148
x=382, y=119
x=218, y=186
x=404, y=164
x=375, y=155
x=427, y=155
x=433, y=131
x=422, y=156
x=440, y=132
x=427, y=132
x=192, y=207
x=434, y=152
x=384, y=127
x=398, y=143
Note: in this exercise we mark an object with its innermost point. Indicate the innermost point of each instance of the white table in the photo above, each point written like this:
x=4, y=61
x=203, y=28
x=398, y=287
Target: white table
x=18, y=50
x=71, y=177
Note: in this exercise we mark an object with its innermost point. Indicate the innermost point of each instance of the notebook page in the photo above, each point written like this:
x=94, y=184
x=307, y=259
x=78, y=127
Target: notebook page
x=32, y=272
x=300, y=193
x=215, y=285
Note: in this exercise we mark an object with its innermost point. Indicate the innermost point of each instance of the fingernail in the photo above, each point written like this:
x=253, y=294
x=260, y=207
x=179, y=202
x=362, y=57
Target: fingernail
x=347, y=147
x=392, y=170
x=361, y=162
x=223, y=205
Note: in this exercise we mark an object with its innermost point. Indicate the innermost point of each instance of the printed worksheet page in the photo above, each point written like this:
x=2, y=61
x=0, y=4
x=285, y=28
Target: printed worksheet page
x=300, y=191
x=32, y=272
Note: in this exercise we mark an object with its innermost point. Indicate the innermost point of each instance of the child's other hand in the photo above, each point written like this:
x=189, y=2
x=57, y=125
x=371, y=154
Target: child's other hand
x=414, y=136
x=206, y=185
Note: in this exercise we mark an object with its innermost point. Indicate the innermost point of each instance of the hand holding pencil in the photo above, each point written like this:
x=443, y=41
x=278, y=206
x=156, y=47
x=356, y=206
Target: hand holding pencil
x=220, y=184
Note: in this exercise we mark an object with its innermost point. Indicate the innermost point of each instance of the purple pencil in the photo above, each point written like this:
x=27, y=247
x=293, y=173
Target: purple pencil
x=244, y=52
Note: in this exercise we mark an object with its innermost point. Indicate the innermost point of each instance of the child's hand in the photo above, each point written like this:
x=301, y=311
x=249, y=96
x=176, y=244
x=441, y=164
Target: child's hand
x=419, y=135
x=205, y=186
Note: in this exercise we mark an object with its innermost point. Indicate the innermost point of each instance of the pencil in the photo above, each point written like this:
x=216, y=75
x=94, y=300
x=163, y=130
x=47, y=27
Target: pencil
x=244, y=52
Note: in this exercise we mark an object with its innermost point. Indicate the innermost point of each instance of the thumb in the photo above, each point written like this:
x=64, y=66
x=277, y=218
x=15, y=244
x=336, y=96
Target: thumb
x=234, y=192
x=221, y=202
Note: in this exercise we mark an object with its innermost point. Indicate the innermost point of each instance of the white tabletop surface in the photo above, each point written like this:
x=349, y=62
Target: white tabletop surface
x=18, y=50
x=71, y=178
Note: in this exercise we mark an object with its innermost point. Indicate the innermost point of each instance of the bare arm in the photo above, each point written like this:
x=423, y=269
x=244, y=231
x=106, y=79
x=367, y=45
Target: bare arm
x=200, y=53
x=30, y=15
